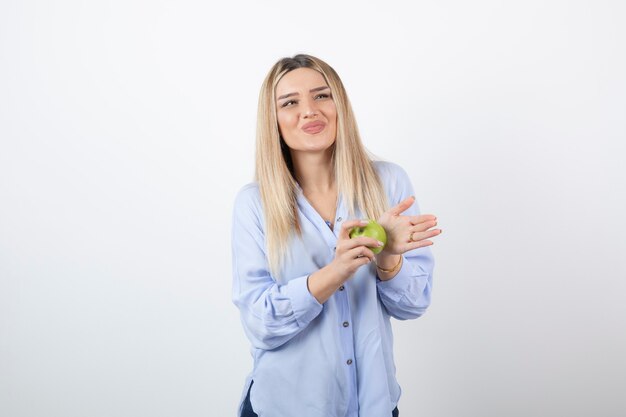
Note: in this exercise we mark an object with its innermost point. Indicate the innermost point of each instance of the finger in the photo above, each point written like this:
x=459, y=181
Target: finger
x=420, y=244
x=359, y=262
x=402, y=206
x=362, y=261
x=360, y=252
x=420, y=227
x=417, y=236
x=421, y=218
x=363, y=241
x=344, y=233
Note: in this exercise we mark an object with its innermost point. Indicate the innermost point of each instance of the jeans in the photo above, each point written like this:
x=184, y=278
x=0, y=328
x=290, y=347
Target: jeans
x=249, y=412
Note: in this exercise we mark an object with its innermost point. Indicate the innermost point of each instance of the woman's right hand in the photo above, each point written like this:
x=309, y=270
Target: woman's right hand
x=352, y=253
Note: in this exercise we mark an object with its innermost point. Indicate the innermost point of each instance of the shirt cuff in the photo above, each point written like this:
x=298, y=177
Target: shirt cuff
x=305, y=306
x=404, y=282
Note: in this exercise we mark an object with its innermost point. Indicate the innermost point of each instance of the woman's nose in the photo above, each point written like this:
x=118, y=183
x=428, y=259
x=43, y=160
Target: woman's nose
x=309, y=109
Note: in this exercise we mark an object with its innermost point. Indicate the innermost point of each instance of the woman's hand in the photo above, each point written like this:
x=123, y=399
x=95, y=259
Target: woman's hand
x=350, y=254
x=405, y=233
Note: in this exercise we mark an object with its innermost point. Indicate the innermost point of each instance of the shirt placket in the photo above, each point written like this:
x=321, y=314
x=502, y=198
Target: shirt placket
x=345, y=322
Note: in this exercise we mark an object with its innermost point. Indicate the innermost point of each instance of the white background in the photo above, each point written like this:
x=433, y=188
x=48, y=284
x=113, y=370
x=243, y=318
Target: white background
x=127, y=127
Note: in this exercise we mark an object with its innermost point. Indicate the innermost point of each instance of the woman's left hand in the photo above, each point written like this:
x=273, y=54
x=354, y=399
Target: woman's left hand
x=405, y=233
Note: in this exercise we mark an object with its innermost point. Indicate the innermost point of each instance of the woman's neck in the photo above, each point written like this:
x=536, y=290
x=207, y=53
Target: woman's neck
x=314, y=171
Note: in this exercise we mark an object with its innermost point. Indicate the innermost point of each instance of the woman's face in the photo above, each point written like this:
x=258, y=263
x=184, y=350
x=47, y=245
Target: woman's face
x=307, y=116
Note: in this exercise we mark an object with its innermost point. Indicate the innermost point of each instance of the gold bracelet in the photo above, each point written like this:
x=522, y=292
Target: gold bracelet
x=394, y=269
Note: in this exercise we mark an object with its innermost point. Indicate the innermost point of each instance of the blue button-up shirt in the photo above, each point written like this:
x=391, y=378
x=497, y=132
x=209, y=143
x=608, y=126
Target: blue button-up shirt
x=322, y=360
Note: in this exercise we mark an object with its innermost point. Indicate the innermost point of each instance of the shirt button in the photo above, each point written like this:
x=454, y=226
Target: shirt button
x=349, y=361
x=339, y=219
x=341, y=288
x=346, y=324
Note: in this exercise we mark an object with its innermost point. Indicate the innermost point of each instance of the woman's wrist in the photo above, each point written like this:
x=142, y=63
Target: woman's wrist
x=323, y=283
x=388, y=265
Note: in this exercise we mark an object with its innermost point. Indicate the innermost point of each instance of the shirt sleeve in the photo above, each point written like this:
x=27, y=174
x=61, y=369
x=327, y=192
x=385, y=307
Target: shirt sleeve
x=408, y=294
x=271, y=313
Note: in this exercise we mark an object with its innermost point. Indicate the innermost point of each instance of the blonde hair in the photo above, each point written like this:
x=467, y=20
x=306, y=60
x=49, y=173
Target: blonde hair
x=356, y=178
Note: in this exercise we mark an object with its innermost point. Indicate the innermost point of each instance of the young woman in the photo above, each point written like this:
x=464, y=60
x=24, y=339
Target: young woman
x=315, y=303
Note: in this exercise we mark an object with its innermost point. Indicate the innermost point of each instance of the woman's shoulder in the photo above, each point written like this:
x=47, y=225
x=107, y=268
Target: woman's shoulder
x=248, y=197
x=250, y=189
x=389, y=171
x=394, y=179
x=247, y=208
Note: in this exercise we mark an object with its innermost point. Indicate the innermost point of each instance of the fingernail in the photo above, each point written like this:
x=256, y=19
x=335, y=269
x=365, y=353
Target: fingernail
x=380, y=243
x=364, y=222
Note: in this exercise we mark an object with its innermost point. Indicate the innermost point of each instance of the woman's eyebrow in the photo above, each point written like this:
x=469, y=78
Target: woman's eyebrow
x=313, y=90
x=319, y=89
x=287, y=95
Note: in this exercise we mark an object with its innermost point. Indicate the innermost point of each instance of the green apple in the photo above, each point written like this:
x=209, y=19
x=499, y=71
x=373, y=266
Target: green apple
x=373, y=230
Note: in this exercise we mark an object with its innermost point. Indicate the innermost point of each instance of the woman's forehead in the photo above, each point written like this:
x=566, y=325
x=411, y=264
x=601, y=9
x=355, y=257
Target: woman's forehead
x=298, y=80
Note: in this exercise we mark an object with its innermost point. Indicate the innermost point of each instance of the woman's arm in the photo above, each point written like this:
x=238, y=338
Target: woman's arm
x=350, y=254
x=273, y=313
x=405, y=283
x=407, y=295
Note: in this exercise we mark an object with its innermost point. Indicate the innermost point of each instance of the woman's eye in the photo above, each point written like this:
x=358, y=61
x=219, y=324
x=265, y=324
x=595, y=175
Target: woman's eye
x=322, y=95
x=288, y=103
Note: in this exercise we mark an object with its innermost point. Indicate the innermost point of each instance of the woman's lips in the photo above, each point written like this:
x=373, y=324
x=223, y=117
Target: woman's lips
x=313, y=127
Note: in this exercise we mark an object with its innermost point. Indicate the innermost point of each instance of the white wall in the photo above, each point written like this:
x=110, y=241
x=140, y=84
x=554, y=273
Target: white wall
x=127, y=127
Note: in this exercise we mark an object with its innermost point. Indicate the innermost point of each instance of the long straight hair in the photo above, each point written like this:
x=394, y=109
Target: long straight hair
x=356, y=177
